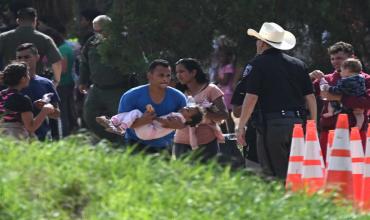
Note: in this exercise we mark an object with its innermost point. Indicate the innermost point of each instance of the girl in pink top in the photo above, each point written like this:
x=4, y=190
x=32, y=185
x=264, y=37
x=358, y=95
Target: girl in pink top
x=196, y=84
x=225, y=81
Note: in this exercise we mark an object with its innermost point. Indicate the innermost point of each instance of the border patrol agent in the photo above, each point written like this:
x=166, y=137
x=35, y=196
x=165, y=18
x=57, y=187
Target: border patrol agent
x=108, y=83
x=278, y=88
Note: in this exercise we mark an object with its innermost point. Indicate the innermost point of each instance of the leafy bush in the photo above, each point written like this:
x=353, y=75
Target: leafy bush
x=171, y=29
x=71, y=180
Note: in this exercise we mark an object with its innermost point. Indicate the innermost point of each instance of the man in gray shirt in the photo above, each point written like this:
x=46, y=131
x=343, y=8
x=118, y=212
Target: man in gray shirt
x=26, y=33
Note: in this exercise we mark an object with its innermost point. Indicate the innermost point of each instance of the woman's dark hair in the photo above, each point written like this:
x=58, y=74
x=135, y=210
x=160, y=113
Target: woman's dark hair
x=192, y=64
x=14, y=72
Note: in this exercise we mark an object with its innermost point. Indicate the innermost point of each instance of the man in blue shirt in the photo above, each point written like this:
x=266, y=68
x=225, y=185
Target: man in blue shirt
x=38, y=86
x=164, y=100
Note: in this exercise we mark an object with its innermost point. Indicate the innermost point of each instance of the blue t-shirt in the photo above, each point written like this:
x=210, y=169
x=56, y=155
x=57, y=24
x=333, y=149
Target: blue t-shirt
x=138, y=98
x=36, y=89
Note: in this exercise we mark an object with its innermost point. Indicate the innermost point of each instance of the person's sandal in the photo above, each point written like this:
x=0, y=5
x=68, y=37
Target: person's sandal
x=115, y=130
x=103, y=121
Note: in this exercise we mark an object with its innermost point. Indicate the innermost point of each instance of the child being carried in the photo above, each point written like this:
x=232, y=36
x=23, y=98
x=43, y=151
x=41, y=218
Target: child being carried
x=119, y=123
x=351, y=84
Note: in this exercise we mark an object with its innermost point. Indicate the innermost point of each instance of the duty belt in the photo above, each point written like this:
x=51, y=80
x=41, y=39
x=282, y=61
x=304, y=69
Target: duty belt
x=282, y=114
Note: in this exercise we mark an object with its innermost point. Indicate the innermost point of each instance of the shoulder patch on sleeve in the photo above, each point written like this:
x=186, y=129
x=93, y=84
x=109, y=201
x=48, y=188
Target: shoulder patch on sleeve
x=247, y=70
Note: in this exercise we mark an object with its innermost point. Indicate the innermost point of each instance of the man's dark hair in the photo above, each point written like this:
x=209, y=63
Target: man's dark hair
x=158, y=62
x=352, y=64
x=341, y=47
x=27, y=46
x=15, y=5
x=196, y=118
x=27, y=14
x=14, y=72
x=90, y=14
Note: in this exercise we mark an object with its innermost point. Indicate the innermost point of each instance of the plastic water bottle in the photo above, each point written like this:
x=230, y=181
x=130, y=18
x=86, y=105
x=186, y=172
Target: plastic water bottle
x=322, y=84
x=230, y=136
x=191, y=101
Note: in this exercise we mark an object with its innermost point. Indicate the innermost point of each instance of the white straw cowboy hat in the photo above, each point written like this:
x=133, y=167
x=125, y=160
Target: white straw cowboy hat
x=274, y=35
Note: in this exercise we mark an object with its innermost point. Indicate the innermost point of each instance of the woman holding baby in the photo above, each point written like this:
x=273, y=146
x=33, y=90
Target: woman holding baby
x=195, y=84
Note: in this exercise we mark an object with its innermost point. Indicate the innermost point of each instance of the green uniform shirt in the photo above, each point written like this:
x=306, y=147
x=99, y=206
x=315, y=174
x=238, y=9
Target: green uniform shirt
x=67, y=53
x=93, y=70
x=10, y=40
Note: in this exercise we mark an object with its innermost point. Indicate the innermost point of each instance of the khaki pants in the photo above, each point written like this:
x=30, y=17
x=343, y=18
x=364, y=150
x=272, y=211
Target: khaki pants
x=15, y=130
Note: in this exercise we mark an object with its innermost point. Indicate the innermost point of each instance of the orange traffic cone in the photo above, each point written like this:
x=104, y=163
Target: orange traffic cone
x=339, y=172
x=357, y=155
x=312, y=172
x=365, y=197
x=294, y=175
x=329, y=145
x=312, y=123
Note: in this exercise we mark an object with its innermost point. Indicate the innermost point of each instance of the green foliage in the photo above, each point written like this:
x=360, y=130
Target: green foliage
x=144, y=30
x=71, y=180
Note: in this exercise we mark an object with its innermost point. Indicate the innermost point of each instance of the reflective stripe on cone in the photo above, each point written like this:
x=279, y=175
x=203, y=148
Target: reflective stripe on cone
x=312, y=174
x=357, y=155
x=365, y=197
x=339, y=172
x=294, y=175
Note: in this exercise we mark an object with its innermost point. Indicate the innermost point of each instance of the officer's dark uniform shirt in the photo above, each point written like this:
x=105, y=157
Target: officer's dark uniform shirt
x=279, y=80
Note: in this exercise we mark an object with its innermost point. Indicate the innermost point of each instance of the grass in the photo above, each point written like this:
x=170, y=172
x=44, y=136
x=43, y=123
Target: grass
x=72, y=180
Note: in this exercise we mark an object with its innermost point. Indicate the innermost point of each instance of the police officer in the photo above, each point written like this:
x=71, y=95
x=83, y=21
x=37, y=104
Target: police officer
x=108, y=83
x=279, y=87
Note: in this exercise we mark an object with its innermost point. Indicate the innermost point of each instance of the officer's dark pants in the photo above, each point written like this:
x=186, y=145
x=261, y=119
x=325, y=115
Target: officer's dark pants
x=273, y=145
x=101, y=102
x=250, y=151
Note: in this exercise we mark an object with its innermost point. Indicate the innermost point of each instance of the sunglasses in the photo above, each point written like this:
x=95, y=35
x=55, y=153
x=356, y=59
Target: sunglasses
x=23, y=57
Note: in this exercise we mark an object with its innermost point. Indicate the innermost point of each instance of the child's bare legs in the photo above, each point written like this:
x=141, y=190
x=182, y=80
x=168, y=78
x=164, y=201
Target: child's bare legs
x=330, y=112
x=109, y=126
x=359, y=115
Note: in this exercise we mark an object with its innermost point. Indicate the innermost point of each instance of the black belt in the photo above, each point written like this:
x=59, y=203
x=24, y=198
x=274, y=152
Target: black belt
x=113, y=86
x=282, y=114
